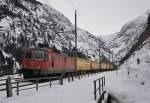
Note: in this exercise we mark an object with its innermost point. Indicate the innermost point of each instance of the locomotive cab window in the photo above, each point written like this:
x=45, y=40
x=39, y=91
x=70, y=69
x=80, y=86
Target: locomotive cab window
x=45, y=56
x=39, y=55
x=28, y=55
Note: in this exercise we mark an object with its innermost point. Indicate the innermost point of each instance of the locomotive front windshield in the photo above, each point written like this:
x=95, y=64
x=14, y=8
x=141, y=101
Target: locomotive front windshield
x=37, y=55
x=41, y=55
x=28, y=54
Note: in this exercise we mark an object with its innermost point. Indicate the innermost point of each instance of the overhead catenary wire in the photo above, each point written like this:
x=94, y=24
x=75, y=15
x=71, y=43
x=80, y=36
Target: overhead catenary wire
x=71, y=3
x=81, y=18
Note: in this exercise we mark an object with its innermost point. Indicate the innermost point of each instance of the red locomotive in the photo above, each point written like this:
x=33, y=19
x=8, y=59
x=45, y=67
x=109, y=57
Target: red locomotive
x=44, y=62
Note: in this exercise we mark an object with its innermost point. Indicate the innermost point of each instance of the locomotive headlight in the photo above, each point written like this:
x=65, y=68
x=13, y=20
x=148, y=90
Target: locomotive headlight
x=39, y=67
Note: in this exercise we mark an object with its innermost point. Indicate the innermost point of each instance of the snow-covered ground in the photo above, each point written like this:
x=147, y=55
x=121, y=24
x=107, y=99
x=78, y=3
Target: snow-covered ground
x=78, y=91
x=132, y=88
x=128, y=87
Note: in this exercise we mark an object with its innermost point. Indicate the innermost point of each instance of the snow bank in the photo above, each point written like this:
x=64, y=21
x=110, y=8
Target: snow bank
x=131, y=83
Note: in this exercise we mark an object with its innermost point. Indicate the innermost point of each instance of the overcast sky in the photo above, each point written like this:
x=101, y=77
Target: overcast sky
x=101, y=17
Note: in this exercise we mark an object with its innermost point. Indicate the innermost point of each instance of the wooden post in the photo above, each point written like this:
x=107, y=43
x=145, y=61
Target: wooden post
x=36, y=85
x=17, y=87
x=50, y=82
x=99, y=87
x=61, y=80
x=68, y=77
x=81, y=74
x=94, y=90
x=72, y=77
x=78, y=75
x=102, y=83
x=8, y=87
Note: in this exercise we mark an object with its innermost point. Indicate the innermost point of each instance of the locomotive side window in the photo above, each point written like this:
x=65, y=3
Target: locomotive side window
x=28, y=55
x=39, y=55
x=45, y=56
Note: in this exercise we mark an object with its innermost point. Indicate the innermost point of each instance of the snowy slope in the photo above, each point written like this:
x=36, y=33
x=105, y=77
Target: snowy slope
x=130, y=38
x=108, y=38
x=29, y=23
x=131, y=83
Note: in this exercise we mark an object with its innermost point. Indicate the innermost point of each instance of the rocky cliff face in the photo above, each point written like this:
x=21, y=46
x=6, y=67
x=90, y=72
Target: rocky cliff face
x=133, y=37
x=29, y=23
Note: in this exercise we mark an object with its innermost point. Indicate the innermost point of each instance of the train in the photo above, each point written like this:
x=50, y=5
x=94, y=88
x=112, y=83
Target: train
x=40, y=62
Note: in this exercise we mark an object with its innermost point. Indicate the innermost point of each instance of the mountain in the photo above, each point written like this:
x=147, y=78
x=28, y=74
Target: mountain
x=29, y=23
x=133, y=38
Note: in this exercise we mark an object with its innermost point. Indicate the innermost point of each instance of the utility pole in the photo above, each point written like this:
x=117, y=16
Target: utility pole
x=76, y=40
x=99, y=53
x=109, y=56
x=116, y=59
x=112, y=57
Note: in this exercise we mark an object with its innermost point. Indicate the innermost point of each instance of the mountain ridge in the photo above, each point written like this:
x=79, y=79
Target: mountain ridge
x=130, y=38
x=25, y=23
